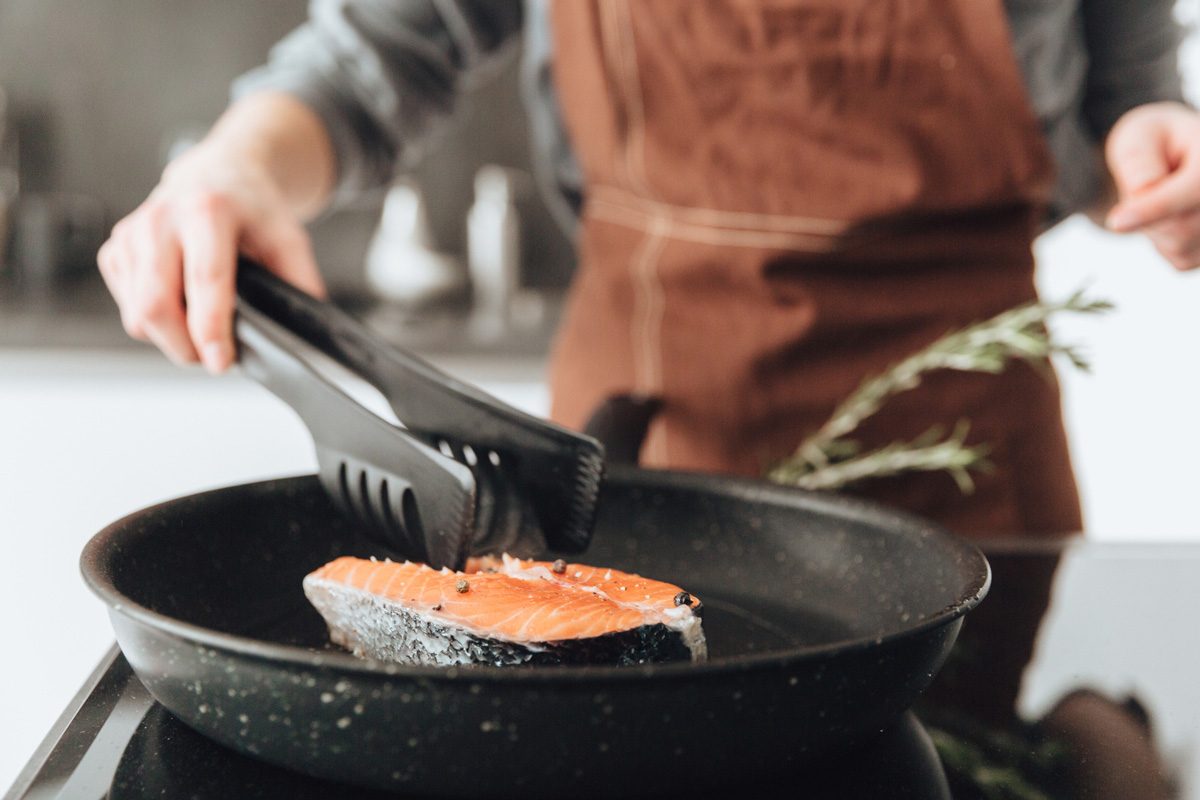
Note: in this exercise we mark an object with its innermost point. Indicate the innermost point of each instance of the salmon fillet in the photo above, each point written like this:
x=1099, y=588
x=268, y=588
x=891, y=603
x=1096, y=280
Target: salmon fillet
x=504, y=611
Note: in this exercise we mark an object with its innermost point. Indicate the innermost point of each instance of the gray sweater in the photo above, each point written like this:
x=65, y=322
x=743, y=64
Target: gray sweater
x=383, y=75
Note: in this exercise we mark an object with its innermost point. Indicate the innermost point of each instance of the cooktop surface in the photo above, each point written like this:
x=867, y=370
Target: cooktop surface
x=116, y=742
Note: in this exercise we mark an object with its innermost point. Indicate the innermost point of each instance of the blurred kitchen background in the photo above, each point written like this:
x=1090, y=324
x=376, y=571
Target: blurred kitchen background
x=91, y=120
x=97, y=94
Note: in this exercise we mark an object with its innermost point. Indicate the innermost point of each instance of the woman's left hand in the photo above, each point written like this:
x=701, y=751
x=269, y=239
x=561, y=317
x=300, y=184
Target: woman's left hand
x=1153, y=154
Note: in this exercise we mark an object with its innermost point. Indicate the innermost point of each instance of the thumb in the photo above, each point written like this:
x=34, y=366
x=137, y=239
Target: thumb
x=1173, y=195
x=285, y=249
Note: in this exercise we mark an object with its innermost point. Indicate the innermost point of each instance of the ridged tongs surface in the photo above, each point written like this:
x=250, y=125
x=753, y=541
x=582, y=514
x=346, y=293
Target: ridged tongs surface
x=466, y=474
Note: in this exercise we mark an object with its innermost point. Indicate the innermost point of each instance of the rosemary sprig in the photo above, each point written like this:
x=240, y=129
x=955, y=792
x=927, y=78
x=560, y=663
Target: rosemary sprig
x=828, y=460
x=929, y=452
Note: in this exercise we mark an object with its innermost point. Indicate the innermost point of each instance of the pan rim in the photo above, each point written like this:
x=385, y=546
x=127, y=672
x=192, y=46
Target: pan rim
x=96, y=553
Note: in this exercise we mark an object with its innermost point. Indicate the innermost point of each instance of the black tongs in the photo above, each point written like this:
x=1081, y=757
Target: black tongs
x=466, y=474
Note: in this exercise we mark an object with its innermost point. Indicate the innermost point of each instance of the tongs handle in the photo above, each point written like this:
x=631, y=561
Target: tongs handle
x=416, y=500
x=562, y=465
x=423, y=397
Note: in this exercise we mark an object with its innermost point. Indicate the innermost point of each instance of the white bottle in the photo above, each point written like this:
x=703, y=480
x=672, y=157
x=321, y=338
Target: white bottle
x=493, y=247
x=403, y=263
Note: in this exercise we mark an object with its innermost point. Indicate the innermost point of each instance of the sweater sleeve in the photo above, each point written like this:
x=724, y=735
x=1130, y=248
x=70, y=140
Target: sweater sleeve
x=1133, y=50
x=383, y=75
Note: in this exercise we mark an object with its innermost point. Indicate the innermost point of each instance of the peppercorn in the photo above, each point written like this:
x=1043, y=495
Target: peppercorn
x=462, y=587
x=558, y=567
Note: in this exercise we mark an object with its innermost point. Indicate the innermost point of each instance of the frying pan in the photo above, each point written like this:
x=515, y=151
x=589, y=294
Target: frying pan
x=825, y=616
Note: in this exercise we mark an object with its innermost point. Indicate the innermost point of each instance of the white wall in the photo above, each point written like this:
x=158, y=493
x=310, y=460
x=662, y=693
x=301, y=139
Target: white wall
x=1134, y=422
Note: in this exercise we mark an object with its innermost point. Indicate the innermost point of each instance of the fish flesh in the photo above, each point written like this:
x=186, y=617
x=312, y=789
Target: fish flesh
x=504, y=611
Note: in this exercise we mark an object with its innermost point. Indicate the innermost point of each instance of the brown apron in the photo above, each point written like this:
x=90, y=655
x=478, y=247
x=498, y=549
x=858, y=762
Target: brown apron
x=785, y=196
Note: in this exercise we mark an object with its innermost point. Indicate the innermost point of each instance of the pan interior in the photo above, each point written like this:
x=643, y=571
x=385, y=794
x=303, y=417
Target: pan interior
x=776, y=570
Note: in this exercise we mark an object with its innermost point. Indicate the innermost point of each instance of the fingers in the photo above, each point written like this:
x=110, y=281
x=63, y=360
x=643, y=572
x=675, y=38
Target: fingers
x=1177, y=194
x=208, y=240
x=285, y=249
x=1178, y=240
x=155, y=296
x=143, y=265
x=116, y=261
x=1154, y=156
x=110, y=269
x=140, y=266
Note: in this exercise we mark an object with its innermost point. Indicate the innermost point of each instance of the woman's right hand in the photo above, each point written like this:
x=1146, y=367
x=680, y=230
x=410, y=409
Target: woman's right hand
x=171, y=263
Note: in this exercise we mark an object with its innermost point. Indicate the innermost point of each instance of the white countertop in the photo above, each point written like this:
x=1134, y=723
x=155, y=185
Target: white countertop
x=89, y=436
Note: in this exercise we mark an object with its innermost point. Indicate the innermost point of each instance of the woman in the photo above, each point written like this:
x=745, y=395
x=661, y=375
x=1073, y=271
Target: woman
x=780, y=199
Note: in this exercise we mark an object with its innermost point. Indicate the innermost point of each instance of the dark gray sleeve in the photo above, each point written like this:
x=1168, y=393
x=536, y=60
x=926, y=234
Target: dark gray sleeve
x=383, y=75
x=1133, y=50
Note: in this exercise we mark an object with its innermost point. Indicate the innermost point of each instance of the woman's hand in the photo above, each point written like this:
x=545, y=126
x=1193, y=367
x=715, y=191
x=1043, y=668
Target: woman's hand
x=1154, y=156
x=246, y=188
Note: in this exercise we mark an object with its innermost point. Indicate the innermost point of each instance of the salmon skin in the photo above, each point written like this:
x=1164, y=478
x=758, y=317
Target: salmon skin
x=504, y=611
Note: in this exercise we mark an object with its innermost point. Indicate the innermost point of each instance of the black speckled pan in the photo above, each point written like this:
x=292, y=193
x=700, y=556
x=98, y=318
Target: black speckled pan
x=825, y=619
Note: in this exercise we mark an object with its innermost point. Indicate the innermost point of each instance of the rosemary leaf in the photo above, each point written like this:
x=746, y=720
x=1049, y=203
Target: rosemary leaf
x=926, y=453
x=827, y=459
